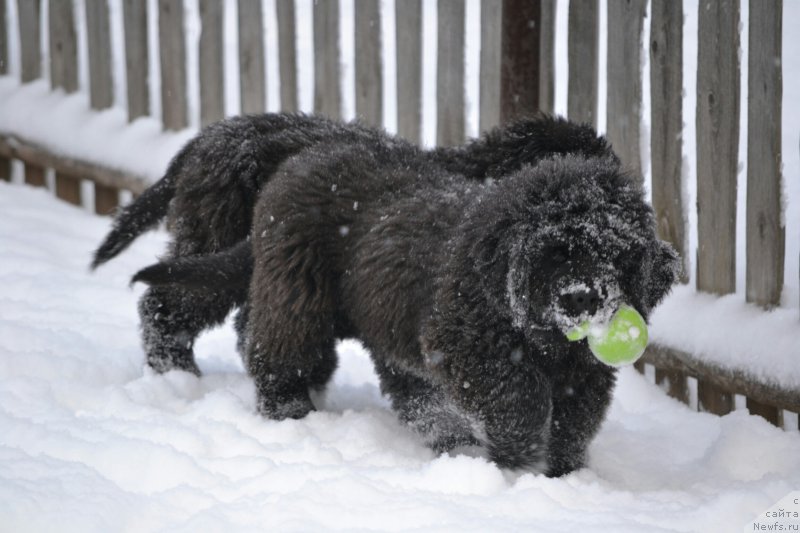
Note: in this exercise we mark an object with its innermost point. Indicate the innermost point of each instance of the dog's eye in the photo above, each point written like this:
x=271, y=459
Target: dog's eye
x=558, y=254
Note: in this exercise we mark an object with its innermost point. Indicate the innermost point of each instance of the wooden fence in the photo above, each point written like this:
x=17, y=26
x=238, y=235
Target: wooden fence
x=516, y=77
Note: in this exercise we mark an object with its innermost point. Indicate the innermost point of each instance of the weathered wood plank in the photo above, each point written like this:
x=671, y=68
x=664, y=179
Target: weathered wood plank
x=674, y=383
x=101, y=86
x=5, y=168
x=491, y=60
x=408, y=19
x=63, y=46
x=327, y=94
x=287, y=54
x=3, y=38
x=136, y=61
x=519, y=70
x=106, y=199
x=36, y=158
x=28, y=14
x=582, y=52
x=369, y=85
x=771, y=414
x=68, y=188
x=717, y=125
x=766, y=232
x=713, y=399
x=212, y=73
x=731, y=381
x=547, y=57
x=624, y=80
x=450, y=127
x=174, y=108
x=666, y=119
x=34, y=175
x=252, y=83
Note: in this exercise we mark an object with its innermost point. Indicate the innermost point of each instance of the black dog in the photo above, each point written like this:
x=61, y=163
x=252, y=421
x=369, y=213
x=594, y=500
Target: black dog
x=461, y=290
x=209, y=190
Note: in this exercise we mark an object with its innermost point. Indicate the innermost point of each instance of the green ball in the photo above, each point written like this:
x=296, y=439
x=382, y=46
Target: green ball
x=619, y=342
x=622, y=341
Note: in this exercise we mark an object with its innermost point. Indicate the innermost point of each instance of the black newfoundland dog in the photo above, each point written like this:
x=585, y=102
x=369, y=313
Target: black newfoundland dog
x=461, y=288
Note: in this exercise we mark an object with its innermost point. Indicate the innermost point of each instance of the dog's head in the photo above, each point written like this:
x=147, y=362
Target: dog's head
x=567, y=241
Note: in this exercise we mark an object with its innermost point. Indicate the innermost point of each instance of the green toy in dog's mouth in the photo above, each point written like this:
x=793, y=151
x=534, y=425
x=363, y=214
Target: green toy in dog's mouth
x=620, y=341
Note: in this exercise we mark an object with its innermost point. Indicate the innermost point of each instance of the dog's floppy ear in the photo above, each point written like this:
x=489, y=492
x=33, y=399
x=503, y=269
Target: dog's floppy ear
x=666, y=266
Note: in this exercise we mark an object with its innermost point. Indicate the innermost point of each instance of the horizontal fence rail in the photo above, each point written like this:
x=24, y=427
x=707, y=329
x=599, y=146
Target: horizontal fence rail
x=516, y=77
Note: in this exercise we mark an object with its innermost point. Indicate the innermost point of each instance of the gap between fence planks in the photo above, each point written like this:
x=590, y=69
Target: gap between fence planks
x=666, y=136
x=136, y=62
x=766, y=234
x=717, y=125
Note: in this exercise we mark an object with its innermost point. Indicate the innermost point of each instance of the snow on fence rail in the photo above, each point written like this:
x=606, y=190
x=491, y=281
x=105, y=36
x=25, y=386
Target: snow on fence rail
x=517, y=77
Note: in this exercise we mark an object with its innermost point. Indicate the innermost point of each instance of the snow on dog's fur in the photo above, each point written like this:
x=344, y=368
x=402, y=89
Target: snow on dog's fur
x=462, y=291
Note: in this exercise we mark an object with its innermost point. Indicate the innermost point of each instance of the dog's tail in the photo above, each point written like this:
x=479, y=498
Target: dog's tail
x=139, y=216
x=230, y=268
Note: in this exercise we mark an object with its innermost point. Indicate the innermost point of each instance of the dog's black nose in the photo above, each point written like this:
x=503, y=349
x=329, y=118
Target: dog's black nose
x=579, y=302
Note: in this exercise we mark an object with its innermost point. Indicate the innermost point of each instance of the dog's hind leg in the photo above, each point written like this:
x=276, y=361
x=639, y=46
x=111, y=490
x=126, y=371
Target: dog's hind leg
x=171, y=319
x=425, y=408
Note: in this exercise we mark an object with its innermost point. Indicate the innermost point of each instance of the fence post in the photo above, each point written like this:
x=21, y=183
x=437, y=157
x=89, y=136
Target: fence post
x=766, y=233
x=63, y=46
x=666, y=139
x=287, y=54
x=327, y=94
x=252, y=84
x=717, y=144
x=212, y=74
x=3, y=39
x=450, y=74
x=547, y=56
x=408, y=17
x=173, y=64
x=34, y=175
x=369, y=87
x=582, y=50
x=624, y=78
x=29, y=12
x=491, y=56
x=136, y=62
x=101, y=88
x=519, y=65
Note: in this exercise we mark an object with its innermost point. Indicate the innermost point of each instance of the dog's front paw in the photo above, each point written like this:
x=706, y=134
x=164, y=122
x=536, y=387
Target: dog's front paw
x=283, y=406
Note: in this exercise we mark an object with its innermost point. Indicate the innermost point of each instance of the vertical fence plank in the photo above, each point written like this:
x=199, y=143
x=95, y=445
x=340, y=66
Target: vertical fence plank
x=771, y=414
x=717, y=144
x=491, y=56
x=136, y=62
x=765, y=230
x=101, y=88
x=369, y=87
x=63, y=46
x=674, y=383
x=252, y=84
x=287, y=54
x=712, y=399
x=666, y=112
x=408, y=18
x=582, y=51
x=28, y=13
x=106, y=199
x=3, y=39
x=212, y=74
x=68, y=188
x=624, y=78
x=519, y=67
x=327, y=94
x=450, y=74
x=547, y=56
x=5, y=169
x=173, y=64
x=34, y=175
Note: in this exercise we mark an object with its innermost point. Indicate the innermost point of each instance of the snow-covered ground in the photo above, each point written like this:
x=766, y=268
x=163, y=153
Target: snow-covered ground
x=88, y=442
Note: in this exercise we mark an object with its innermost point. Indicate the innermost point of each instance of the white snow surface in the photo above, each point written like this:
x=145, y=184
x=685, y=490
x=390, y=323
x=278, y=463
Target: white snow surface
x=89, y=441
